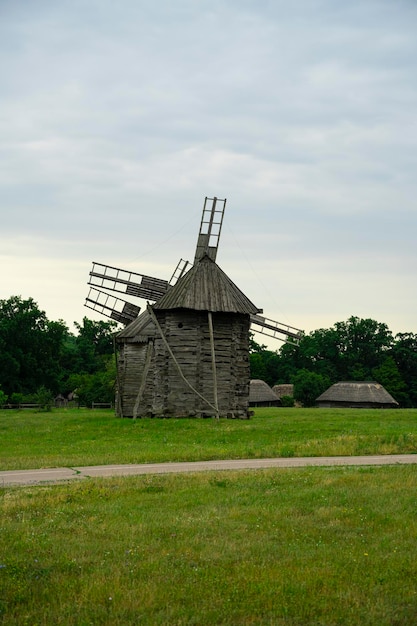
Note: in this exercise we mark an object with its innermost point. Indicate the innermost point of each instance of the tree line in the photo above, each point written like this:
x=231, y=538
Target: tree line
x=40, y=358
x=354, y=350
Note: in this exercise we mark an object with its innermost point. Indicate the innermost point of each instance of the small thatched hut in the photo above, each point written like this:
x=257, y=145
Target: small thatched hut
x=283, y=390
x=357, y=395
x=261, y=394
x=188, y=354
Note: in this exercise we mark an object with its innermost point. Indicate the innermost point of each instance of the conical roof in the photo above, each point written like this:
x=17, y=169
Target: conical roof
x=206, y=288
x=285, y=389
x=356, y=392
x=260, y=391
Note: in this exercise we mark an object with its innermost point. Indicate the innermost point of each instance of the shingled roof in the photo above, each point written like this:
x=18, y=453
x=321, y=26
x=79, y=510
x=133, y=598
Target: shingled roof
x=206, y=288
x=140, y=329
x=354, y=393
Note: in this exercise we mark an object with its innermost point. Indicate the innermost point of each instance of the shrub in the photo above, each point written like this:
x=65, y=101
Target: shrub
x=287, y=401
x=308, y=386
x=44, y=398
x=16, y=398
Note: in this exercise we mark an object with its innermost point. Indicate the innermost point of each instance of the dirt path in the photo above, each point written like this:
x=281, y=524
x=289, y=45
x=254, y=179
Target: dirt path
x=59, y=474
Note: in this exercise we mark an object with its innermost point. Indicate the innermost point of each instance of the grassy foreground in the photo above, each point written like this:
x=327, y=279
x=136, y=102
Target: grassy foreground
x=314, y=546
x=74, y=437
x=300, y=547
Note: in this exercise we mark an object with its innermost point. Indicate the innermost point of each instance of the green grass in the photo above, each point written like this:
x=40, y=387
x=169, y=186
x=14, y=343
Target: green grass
x=74, y=437
x=300, y=547
x=313, y=546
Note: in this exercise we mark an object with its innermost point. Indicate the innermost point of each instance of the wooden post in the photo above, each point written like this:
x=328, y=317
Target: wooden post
x=119, y=403
x=213, y=363
x=148, y=359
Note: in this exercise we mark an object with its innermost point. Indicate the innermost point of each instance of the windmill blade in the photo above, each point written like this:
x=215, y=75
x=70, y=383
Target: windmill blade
x=210, y=228
x=275, y=329
x=130, y=283
x=114, y=308
x=179, y=271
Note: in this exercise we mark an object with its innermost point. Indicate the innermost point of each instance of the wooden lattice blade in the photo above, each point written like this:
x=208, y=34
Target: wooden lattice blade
x=210, y=228
x=129, y=283
x=112, y=307
x=276, y=329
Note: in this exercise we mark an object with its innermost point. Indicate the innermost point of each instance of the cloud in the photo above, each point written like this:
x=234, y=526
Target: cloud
x=117, y=120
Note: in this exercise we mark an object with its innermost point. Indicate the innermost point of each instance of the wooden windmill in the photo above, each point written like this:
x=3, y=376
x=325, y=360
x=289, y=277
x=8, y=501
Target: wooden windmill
x=188, y=353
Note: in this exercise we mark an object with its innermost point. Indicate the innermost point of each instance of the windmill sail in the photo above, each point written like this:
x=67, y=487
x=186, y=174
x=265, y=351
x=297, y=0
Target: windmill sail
x=114, y=308
x=275, y=329
x=179, y=271
x=210, y=228
x=129, y=283
x=152, y=289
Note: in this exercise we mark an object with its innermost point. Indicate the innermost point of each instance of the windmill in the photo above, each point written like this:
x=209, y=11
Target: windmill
x=188, y=352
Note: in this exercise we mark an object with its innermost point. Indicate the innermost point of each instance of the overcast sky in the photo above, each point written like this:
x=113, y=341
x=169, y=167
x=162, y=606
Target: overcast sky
x=118, y=118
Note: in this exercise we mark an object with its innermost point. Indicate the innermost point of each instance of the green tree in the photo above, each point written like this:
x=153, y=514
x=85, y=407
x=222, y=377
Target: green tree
x=363, y=345
x=308, y=386
x=97, y=387
x=257, y=366
x=44, y=398
x=389, y=376
x=404, y=353
x=289, y=361
x=93, y=344
x=263, y=362
x=254, y=346
x=30, y=347
x=357, y=349
x=348, y=351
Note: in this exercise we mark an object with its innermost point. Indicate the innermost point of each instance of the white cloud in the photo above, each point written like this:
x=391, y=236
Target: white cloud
x=117, y=120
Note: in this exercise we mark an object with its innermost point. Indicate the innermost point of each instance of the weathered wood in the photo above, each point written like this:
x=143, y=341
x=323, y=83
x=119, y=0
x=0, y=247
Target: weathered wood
x=144, y=376
x=200, y=361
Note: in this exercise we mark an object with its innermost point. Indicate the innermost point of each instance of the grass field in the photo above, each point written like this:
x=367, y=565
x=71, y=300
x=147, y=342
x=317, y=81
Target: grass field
x=31, y=439
x=299, y=547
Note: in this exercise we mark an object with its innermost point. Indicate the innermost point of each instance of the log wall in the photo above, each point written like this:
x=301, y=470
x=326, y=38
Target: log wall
x=187, y=333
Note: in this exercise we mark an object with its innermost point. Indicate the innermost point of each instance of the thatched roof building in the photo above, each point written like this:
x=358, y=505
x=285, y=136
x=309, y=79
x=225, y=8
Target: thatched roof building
x=357, y=395
x=283, y=390
x=188, y=355
x=261, y=394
